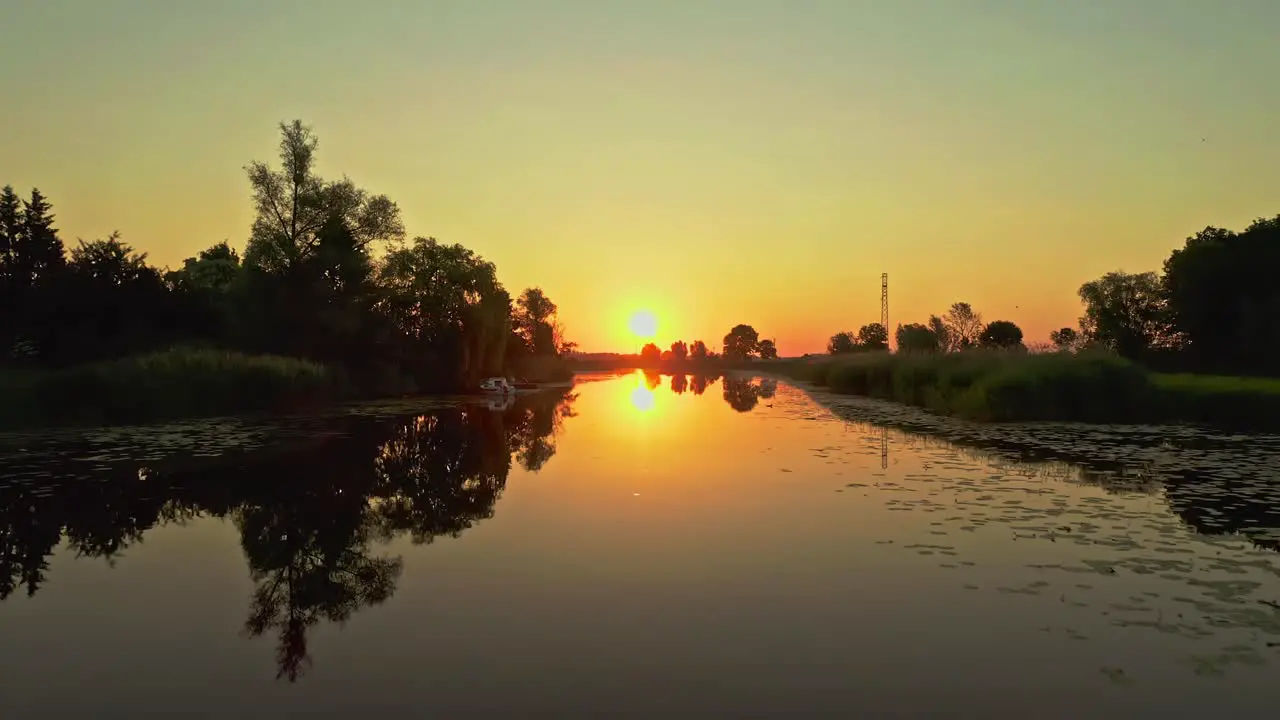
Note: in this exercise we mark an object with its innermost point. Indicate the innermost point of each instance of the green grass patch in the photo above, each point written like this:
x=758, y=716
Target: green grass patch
x=162, y=386
x=1013, y=386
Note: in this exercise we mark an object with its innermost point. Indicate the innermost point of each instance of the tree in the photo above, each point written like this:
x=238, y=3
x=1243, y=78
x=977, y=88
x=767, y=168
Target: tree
x=1001, y=334
x=767, y=350
x=698, y=351
x=679, y=351
x=873, y=336
x=10, y=293
x=650, y=355
x=842, y=342
x=111, y=304
x=1065, y=339
x=941, y=333
x=293, y=204
x=535, y=323
x=916, y=338
x=741, y=343
x=964, y=326
x=10, y=231
x=1125, y=312
x=1222, y=298
x=446, y=303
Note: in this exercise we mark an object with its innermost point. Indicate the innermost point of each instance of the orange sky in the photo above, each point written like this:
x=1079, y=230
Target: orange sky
x=715, y=161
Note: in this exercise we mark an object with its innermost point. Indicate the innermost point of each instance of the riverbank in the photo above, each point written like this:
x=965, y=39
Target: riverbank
x=165, y=386
x=1016, y=387
x=191, y=383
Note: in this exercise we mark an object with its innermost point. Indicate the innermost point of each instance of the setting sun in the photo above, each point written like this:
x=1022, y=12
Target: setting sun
x=644, y=324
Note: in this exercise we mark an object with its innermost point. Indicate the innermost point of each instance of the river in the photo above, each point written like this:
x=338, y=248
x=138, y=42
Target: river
x=639, y=546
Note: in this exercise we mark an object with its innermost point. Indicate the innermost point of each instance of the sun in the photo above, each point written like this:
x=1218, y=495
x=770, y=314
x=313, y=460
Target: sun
x=643, y=324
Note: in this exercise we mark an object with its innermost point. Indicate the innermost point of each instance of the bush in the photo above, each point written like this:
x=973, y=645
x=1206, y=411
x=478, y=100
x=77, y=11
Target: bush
x=165, y=385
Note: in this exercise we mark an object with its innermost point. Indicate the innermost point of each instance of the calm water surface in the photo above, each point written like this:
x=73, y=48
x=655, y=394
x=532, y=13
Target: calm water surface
x=639, y=547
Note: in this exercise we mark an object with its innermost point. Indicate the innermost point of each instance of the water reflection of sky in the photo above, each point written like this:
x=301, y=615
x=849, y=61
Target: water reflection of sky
x=701, y=547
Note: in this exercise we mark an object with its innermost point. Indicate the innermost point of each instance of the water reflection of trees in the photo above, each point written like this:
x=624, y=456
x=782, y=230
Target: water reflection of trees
x=744, y=393
x=309, y=513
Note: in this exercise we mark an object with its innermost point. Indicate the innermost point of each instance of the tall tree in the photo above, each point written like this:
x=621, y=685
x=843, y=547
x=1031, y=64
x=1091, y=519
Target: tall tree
x=964, y=326
x=679, y=351
x=447, y=303
x=698, y=351
x=1065, y=339
x=915, y=337
x=10, y=229
x=873, y=336
x=1125, y=312
x=1222, y=297
x=941, y=333
x=293, y=203
x=768, y=350
x=842, y=342
x=741, y=342
x=1001, y=334
x=534, y=320
x=650, y=355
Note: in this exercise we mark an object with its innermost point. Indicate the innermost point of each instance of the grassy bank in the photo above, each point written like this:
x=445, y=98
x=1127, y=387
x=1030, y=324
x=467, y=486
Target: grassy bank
x=164, y=386
x=1005, y=387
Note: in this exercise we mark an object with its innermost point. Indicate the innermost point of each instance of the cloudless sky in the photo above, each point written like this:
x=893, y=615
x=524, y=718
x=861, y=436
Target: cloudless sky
x=716, y=161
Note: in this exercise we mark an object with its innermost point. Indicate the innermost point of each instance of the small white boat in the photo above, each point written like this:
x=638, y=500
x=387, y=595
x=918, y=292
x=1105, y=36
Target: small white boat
x=496, y=386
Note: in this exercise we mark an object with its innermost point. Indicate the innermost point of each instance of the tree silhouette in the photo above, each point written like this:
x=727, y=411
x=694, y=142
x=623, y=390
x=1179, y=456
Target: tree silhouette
x=842, y=342
x=650, y=355
x=1065, y=339
x=873, y=337
x=679, y=351
x=916, y=338
x=698, y=351
x=942, y=333
x=1125, y=312
x=741, y=343
x=1221, y=297
x=1001, y=334
x=964, y=326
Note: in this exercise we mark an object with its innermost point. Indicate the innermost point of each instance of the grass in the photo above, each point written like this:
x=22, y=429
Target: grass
x=163, y=386
x=1220, y=399
x=1006, y=387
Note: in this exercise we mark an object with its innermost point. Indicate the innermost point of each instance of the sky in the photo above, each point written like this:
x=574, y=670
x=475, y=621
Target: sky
x=713, y=161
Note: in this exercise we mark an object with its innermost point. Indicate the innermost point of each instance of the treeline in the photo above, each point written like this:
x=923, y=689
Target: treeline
x=1214, y=308
x=326, y=276
x=741, y=344
x=960, y=328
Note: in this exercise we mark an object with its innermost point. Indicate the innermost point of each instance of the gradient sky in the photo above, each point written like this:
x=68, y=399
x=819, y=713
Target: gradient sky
x=717, y=161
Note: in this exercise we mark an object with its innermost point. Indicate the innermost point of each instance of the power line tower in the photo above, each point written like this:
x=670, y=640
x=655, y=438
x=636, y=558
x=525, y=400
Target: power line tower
x=884, y=301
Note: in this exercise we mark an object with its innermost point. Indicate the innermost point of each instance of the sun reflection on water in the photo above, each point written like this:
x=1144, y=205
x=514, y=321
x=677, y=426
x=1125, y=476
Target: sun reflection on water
x=642, y=397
